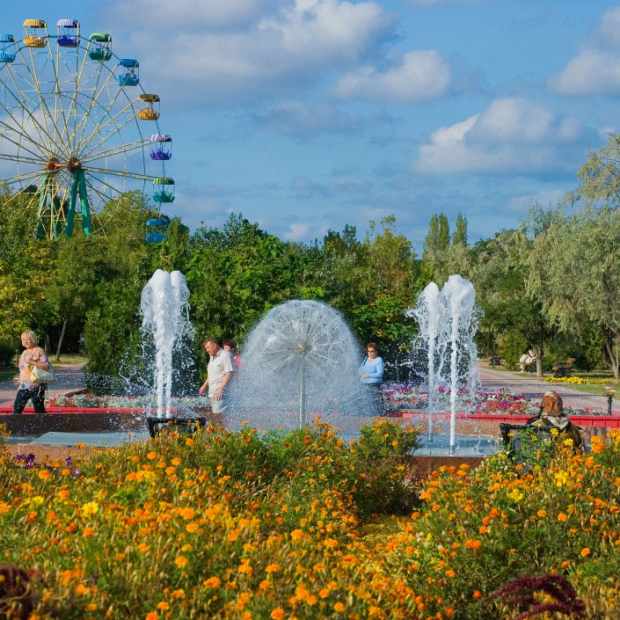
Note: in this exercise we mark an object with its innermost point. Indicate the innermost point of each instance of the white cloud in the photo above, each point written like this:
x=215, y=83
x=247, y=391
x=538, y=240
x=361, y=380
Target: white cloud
x=419, y=76
x=511, y=135
x=590, y=72
x=296, y=41
x=193, y=15
x=595, y=70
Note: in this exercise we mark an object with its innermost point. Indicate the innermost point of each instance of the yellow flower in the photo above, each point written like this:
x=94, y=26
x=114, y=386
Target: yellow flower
x=212, y=582
x=561, y=479
x=181, y=561
x=515, y=495
x=90, y=508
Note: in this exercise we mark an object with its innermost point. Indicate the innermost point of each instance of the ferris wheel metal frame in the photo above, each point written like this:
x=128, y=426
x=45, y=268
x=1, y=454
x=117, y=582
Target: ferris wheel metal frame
x=66, y=117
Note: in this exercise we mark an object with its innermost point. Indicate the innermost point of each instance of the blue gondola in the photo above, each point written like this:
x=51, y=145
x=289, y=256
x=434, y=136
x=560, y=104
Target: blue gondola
x=68, y=32
x=7, y=48
x=130, y=72
x=156, y=228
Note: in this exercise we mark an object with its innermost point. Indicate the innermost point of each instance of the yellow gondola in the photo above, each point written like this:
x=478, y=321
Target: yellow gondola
x=151, y=111
x=33, y=37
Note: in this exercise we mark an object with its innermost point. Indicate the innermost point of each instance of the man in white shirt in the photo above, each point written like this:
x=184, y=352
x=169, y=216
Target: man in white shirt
x=219, y=372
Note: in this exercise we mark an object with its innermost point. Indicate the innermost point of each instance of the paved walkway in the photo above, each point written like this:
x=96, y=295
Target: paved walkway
x=69, y=377
x=533, y=388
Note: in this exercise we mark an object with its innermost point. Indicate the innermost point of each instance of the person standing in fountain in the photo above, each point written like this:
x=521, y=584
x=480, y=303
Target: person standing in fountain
x=231, y=347
x=219, y=373
x=32, y=356
x=371, y=375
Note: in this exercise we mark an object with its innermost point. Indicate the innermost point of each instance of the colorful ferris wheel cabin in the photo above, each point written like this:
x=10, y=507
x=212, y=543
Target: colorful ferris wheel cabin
x=68, y=32
x=161, y=150
x=35, y=33
x=151, y=111
x=129, y=72
x=156, y=228
x=99, y=46
x=163, y=189
x=7, y=48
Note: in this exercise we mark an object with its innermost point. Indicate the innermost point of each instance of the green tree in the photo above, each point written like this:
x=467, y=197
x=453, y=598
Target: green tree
x=460, y=231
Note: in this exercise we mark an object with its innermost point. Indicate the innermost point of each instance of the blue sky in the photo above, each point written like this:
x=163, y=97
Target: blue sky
x=305, y=115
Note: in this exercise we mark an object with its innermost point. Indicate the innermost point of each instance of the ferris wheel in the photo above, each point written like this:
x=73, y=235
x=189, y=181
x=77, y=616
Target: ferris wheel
x=77, y=129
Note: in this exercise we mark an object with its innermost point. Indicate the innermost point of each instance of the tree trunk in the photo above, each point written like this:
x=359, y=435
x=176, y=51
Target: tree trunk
x=539, y=359
x=62, y=337
x=612, y=348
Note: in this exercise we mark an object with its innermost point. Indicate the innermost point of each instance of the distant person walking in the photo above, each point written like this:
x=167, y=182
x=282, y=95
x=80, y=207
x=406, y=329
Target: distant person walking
x=371, y=375
x=28, y=388
x=219, y=373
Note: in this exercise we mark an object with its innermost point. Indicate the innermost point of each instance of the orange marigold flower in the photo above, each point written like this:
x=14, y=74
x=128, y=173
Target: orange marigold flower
x=277, y=613
x=297, y=535
x=541, y=513
x=272, y=568
x=264, y=585
x=472, y=543
x=212, y=582
x=339, y=607
x=163, y=606
x=476, y=594
x=181, y=561
x=151, y=456
x=88, y=532
x=585, y=552
x=562, y=517
x=323, y=592
x=152, y=615
x=450, y=573
x=178, y=593
x=44, y=474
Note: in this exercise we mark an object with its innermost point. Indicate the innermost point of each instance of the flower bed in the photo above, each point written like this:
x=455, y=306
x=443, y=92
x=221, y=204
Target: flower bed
x=233, y=525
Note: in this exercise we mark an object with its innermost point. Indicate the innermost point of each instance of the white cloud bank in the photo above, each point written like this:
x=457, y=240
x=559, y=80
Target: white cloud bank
x=595, y=70
x=512, y=135
x=224, y=49
x=419, y=76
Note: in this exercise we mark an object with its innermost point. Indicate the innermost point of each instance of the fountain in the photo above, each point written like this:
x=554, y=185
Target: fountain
x=448, y=323
x=300, y=359
x=165, y=319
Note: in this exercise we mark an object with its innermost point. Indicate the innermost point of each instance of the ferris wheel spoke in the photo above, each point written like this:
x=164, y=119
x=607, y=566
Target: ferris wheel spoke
x=57, y=94
x=21, y=177
x=119, y=150
x=98, y=91
x=26, y=108
x=99, y=128
x=42, y=101
x=19, y=145
x=120, y=173
x=78, y=80
x=99, y=192
x=22, y=159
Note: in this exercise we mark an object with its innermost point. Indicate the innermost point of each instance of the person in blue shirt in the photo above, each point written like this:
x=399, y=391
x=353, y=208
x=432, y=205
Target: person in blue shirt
x=371, y=375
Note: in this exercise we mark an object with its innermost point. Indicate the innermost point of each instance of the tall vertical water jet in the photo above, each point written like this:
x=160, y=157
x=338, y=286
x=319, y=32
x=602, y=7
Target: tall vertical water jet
x=430, y=312
x=301, y=359
x=447, y=321
x=165, y=318
x=460, y=299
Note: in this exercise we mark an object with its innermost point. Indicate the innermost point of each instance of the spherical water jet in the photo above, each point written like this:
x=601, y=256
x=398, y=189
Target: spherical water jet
x=300, y=359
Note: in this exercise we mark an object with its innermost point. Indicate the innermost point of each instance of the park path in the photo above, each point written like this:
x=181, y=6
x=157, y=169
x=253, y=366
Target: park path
x=533, y=388
x=69, y=377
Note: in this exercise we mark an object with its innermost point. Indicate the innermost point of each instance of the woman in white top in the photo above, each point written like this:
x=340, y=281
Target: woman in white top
x=371, y=374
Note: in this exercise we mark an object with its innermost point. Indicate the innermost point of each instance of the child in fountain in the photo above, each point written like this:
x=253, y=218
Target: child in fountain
x=371, y=374
x=231, y=347
x=219, y=373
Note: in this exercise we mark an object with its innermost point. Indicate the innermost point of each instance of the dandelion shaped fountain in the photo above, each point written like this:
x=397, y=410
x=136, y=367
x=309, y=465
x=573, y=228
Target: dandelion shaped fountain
x=448, y=322
x=301, y=360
